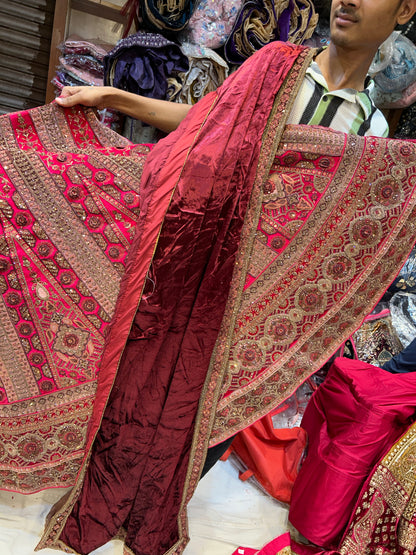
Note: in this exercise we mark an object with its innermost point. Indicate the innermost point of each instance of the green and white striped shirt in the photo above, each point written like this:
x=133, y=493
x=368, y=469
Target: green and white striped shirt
x=344, y=110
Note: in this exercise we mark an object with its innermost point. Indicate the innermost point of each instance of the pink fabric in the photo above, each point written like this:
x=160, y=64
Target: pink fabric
x=351, y=420
x=245, y=551
x=276, y=545
x=272, y=548
x=281, y=543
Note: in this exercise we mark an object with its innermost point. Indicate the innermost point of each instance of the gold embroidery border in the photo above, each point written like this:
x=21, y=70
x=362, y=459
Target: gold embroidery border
x=212, y=388
x=299, y=361
x=387, y=484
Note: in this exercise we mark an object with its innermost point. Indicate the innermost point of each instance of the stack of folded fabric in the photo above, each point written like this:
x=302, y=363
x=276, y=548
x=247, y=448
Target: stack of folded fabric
x=211, y=23
x=234, y=28
x=82, y=64
x=148, y=64
x=207, y=71
x=262, y=21
x=177, y=53
x=143, y=63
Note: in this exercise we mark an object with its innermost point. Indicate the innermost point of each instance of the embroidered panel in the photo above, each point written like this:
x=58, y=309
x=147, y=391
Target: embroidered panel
x=384, y=520
x=66, y=222
x=336, y=224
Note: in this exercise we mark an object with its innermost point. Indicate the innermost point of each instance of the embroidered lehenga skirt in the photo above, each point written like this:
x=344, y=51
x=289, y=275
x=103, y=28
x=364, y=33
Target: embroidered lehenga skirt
x=69, y=203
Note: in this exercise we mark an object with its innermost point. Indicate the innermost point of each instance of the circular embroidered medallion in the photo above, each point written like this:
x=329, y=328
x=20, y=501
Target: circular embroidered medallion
x=30, y=448
x=280, y=329
x=338, y=267
x=365, y=232
x=70, y=437
x=249, y=354
x=387, y=192
x=311, y=299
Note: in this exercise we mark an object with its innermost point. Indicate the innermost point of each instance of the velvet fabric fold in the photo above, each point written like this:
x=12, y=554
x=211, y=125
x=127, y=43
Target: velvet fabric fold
x=139, y=460
x=143, y=63
x=274, y=246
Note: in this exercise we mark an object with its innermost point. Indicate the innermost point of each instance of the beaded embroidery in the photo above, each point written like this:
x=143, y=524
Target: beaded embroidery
x=67, y=220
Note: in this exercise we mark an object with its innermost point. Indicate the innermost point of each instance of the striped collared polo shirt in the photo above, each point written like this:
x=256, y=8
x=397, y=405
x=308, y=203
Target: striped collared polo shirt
x=344, y=110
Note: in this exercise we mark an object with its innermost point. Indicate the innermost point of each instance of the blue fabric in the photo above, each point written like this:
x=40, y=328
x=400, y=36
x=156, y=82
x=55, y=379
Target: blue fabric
x=156, y=14
x=403, y=362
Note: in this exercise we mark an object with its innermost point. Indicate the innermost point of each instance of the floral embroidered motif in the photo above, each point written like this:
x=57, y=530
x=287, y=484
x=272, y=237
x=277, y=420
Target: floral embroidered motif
x=66, y=222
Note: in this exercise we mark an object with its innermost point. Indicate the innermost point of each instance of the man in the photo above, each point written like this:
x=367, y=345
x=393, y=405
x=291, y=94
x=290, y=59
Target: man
x=208, y=323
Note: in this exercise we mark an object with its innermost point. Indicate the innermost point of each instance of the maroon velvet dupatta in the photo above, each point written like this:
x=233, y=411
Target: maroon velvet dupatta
x=210, y=164
x=254, y=283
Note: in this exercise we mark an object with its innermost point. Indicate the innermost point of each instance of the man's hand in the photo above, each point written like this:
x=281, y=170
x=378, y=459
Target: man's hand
x=87, y=96
x=159, y=113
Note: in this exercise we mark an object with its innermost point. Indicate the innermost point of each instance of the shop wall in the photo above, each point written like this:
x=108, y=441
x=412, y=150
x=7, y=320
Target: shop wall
x=25, y=33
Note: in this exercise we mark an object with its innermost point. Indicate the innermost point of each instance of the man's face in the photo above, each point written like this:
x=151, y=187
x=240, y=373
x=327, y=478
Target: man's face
x=363, y=24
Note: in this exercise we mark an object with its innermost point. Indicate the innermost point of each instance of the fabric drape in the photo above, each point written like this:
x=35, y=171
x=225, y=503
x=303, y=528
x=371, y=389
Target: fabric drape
x=177, y=319
x=236, y=312
x=258, y=251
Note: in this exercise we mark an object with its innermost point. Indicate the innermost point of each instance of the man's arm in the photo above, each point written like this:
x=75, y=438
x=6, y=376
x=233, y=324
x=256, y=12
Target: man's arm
x=162, y=114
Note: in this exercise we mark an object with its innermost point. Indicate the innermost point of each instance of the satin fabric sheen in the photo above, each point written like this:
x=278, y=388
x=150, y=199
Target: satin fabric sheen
x=357, y=413
x=272, y=456
x=139, y=460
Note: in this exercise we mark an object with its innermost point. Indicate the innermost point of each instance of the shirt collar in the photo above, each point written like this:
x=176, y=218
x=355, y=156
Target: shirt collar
x=351, y=95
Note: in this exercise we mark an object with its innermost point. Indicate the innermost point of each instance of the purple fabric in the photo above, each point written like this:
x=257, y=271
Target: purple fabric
x=142, y=64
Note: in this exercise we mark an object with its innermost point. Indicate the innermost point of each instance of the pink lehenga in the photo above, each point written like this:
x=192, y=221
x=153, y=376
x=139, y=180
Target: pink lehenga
x=69, y=204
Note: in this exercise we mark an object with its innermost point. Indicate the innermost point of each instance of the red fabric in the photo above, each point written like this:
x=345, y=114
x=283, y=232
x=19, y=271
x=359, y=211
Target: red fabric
x=358, y=412
x=140, y=456
x=272, y=456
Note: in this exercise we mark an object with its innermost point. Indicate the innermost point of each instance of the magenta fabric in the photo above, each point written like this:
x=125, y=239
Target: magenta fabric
x=351, y=420
x=275, y=547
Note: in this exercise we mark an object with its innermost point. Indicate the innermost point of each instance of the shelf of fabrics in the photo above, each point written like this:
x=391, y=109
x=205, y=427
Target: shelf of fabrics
x=25, y=32
x=181, y=51
x=85, y=18
x=188, y=49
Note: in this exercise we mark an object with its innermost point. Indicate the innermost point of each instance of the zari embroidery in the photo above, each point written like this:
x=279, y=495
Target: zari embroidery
x=385, y=512
x=272, y=350
x=66, y=225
